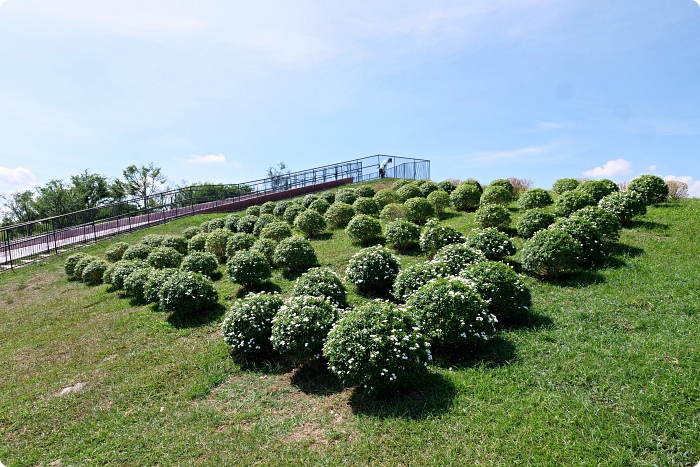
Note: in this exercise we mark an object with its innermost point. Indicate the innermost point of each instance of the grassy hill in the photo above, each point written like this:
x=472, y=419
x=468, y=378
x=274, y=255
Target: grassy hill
x=606, y=372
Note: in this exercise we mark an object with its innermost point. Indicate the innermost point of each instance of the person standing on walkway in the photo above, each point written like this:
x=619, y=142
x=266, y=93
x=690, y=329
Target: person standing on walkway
x=382, y=167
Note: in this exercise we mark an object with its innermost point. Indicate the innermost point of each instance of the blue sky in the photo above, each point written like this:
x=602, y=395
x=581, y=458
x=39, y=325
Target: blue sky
x=218, y=90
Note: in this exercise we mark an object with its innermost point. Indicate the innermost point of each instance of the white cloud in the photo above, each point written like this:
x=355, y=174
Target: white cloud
x=513, y=154
x=2, y=1
x=19, y=177
x=547, y=126
x=610, y=169
x=693, y=185
x=208, y=159
x=651, y=168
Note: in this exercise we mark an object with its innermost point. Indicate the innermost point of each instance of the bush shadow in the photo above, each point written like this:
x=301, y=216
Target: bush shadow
x=432, y=394
x=269, y=364
x=578, y=279
x=530, y=322
x=493, y=353
x=267, y=286
x=314, y=378
x=647, y=225
x=182, y=320
x=628, y=251
x=322, y=236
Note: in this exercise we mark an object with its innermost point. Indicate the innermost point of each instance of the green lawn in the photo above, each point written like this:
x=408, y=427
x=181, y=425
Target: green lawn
x=607, y=372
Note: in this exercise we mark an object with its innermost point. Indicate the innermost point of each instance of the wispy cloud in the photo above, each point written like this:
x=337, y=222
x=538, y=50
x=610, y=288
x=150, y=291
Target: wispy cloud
x=651, y=168
x=18, y=177
x=512, y=154
x=207, y=159
x=610, y=169
x=2, y=1
x=549, y=126
x=693, y=185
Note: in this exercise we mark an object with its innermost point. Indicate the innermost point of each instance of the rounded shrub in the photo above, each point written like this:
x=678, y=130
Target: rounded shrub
x=155, y=281
x=115, y=251
x=301, y=326
x=402, y=235
x=400, y=183
x=266, y=247
x=262, y=221
x=624, y=205
x=571, y=201
x=534, y=198
x=295, y=254
x=386, y=196
x=436, y=236
x=164, y=257
x=280, y=207
x=507, y=296
x=247, y=326
x=563, y=185
x=338, y=215
x=248, y=268
x=393, y=212
x=246, y=224
x=440, y=200
x=533, y=220
x=292, y=211
x=609, y=185
x=81, y=265
x=419, y=210
x=309, y=199
x=503, y=183
x=268, y=207
x=551, y=253
x=364, y=229
x=253, y=211
x=201, y=262
x=447, y=186
x=377, y=345
x=232, y=222
x=204, y=227
x=218, y=223
x=605, y=221
x=177, y=242
x=652, y=188
x=373, y=270
x=71, y=261
x=590, y=238
x=495, y=194
x=216, y=243
x=450, y=311
x=190, y=232
x=409, y=191
x=472, y=181
x=310, y=222
x=492, y=215
x=121, y=269
x=595, y=188
x=366, y=206
x=494, y=244
x=329, y=196
x=93, y=272
x=198, y=242
x=138, y=251
x=345, y=195
x=276, y=231
x=419, y=182
x=365, y=191
x=321, y=282
x=458, y=256
x=415, y=276
x=153, y=240
x=466, y=197
x=320, y=206
x=135, y=284
x=187, y=292
x=428, y=187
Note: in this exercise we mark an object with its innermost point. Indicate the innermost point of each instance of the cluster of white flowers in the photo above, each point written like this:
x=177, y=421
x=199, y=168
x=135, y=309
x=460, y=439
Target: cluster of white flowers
x=247, y=326
x=373, y=269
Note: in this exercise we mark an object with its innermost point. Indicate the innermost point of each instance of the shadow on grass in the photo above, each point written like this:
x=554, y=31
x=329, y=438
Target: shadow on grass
x=322, y=236
x=269, y=364
x=530, y=322
x=493, y=353
x=430, y=395
x=314, y=378
x=628, y=251
x=647, y=225
x=181, y=320
x=580, y=278
x=267, y=286
x=292, y=275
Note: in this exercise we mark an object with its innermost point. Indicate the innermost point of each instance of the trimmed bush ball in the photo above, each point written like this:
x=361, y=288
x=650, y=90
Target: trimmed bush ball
x=310, y=222
x=301, y=326
x=377, y=345
x=309, y=199
x=81, y=265
x=295, y=254
x=471, y=181
x=71, y=261
x=247, y=326
x=345, y=195
x=364, y=229
x=276, y=231
x=652, y=188
x=216, y=243
x=365, y=191
x=563, y=185
x=246, y=224
x=135, y=284
x=204, y=227
x=551, y=253
x=588, y=236
x=262, y=221
x=201, y=262
x=494, y=244
x=280, y=207
x=571, y=201
x=386, y=196
x=198, y=242
x=419, y=210
x=595, y=188
x=218, y=223
x=409, y=191
x=400, y=183
x=447, y=185
x=606, y=222
x=239, y=242
x=451, y=311
x=533, y=220
x=268, y=207
x=320, y=206
x=366, y=206
x=624, y=205
x=507, y=296
x=248, y=268
x=121, y=269
x=328, y=195
x=458, y=256
x=492, y=215
x=609, y=185
x=178, y=242
x=402, y=235
x=466, y=197
x=232, y=222
x=164, y=257
x=393, y=212
x=436, y=236
x=503, y=183
x=373, y=270
x=428, y=187
x=440, y=200
x=190, y=232
x=115, y=251
x=93, y=272
x=187, y=292
x=138, y=251
x=338, y=215
x=292, y=211
x=419, y=182
x=322, y=282
x=155, y=281
x=413, y=277
x=534, y=198
x=253, y=211
x=266, y=247
x=495, y=194
x=153, y=240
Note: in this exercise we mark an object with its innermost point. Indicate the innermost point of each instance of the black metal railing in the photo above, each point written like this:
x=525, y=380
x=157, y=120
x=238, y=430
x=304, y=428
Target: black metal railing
x=32, y=241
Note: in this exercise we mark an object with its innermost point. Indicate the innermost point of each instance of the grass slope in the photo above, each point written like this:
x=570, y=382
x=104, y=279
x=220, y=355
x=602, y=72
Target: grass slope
x=607, y=372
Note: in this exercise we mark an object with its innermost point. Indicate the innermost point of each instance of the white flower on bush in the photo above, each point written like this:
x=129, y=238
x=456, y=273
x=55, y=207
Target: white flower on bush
x=247, y=326
x=373, y=269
